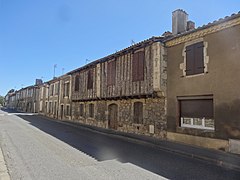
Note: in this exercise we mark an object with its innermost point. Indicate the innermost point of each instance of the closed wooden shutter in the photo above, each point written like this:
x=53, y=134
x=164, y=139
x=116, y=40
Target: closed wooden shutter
x=138, y=66
x=196, y=108
x=190, y=60
x=199, y=62
x=138, y=113
x=141, y=66
x=81, y=110
x=76, y=83
x=90, y=79
x=91, y=110
x=111, y=73
x=135, y=67
x=194, y=59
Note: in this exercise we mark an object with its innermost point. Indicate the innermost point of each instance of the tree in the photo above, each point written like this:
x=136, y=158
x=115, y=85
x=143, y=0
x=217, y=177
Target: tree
x=1, y=100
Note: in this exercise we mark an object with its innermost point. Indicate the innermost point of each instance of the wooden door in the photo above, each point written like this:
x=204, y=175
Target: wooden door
x=112, y=116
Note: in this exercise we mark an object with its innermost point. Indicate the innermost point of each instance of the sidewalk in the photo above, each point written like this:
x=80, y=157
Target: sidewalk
x=217, y=157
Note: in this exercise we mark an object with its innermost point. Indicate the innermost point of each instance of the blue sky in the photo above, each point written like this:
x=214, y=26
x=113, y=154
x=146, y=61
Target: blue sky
x=36, y=34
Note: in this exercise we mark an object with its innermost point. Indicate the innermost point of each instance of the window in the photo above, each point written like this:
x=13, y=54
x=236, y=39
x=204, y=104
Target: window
x=76, y=83
x=66, y=89
x=90, y=79
x=56, y=88
x=138, y=66
x=111, y=73
x=138, y=112
x=194, y=59
x=91, y=110
x=81, y=110
x=196, y=113
x=47, y=90
x=50, y=107
x=68, y=110
x=55, y=108
x=46, y=107
x=51, y=89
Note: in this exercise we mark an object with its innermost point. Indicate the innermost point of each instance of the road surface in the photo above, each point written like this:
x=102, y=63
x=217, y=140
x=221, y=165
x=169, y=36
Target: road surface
x=36, y=147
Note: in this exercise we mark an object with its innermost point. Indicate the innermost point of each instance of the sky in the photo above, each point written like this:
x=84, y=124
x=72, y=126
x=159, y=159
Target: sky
x=37, y=34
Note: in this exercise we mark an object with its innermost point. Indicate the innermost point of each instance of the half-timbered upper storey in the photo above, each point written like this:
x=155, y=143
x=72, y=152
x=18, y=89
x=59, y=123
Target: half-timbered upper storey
x=137, y=71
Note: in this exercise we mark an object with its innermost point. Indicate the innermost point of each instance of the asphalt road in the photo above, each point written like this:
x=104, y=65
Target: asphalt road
x=38, y=148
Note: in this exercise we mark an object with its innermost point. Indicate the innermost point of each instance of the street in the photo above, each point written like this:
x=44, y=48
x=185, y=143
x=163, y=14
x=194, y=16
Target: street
x=36, y=147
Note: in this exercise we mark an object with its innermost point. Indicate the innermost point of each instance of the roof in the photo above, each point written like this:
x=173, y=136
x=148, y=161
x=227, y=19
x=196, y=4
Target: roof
x=205, y=26
x=118, y=53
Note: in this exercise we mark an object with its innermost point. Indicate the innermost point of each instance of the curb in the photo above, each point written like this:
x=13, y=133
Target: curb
x=151, y=141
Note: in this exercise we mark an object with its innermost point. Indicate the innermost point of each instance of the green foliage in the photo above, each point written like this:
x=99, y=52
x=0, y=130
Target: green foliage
x=1, y=100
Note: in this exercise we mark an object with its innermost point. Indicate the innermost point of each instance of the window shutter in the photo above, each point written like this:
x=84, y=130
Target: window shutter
x=135, y=67
x=141, y=66
x=138, y=66
x=111, y=73
x=109, y=69
x=77, y=83
x=197, y=108
x=90, y=79
x=198, y=52
x=190, y=60
x=138, y=113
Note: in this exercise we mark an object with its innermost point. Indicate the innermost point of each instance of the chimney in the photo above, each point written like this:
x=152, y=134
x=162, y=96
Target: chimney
x=179, y=21
x=190, y=25
x=38, y=82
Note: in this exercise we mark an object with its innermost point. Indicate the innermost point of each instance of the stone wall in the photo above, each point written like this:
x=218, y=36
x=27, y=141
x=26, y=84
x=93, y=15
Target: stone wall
x=154, y=115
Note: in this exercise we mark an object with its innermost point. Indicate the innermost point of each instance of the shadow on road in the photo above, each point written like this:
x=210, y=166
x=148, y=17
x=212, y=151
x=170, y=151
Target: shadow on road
x=103, y=147
x=99, y=145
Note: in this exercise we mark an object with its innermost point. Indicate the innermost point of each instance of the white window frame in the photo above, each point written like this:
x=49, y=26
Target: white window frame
x=195, y=126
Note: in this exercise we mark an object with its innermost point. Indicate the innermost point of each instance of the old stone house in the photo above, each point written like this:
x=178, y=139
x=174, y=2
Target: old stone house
x=125, y=91
x=65, y=94
x=55, y=98
x=10, y=99
x=203, y=82
x=26, y=99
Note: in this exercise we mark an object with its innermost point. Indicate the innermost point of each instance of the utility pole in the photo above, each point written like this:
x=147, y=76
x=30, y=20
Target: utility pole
x=62, y=71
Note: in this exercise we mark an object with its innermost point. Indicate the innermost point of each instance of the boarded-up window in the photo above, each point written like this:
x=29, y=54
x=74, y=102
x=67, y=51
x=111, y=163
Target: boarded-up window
x=138, y=112
x=90, y=79
x=81, y=110
x=76, y=88
x=91, y=110
x=111, y=73
x=138, y=66
x=194, y=59
x=197, y=113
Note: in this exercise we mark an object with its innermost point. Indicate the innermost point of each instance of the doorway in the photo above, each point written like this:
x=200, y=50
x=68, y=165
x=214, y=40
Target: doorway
x=113, y=116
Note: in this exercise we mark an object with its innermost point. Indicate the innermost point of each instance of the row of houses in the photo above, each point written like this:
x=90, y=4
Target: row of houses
x=181, y=86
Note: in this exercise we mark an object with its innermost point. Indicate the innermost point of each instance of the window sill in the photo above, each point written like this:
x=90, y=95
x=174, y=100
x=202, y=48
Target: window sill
x=198, y=127
x=194, y=75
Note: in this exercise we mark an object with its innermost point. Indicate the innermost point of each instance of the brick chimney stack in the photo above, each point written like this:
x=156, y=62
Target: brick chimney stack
x=190, y=25
x=179, y=21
